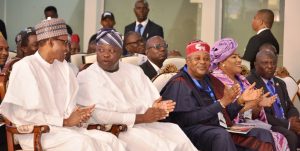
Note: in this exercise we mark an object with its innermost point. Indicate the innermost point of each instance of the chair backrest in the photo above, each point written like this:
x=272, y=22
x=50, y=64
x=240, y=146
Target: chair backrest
x=4, y=76
x=76, y=59
x=84, y=66
x=177, y=61
x=89, y=58
x=167, y=72
x=246, y=63
x=11, y=54
x=291, y=86
x=131, y=59
x=161, y=80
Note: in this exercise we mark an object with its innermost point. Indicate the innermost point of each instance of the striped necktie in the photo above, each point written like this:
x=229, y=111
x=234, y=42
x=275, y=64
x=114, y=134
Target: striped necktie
x=139, y=29
x=276, y=105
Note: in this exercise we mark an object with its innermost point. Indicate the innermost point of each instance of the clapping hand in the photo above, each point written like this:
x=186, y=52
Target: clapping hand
x=230, y=94
x=250, y=94
x=267, y=101
x=168, y=105
x=151, y=115
x=79, y=115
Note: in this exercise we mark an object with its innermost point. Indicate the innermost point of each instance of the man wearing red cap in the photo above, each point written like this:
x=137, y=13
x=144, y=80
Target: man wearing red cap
x=204, y=105
x=75, y=47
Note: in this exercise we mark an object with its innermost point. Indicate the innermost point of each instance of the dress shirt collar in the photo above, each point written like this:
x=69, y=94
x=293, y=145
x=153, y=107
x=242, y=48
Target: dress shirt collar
x=261, y=30
x=144, y=23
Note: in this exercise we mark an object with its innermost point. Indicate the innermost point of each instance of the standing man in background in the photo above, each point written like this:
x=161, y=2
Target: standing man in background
x=143, y=25
x=261, y=24
x=51, y=11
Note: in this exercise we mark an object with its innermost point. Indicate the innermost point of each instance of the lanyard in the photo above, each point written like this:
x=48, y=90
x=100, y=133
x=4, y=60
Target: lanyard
x=272, y=90
x=199, y=86
x=241, y=84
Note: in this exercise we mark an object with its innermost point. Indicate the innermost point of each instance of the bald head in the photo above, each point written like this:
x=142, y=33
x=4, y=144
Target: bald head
x=134, y=43
x=265, y=53
x=145, y=2
x=267, y=16
x=141, y=10
x=265, y=64
x=153, y=40
x=157, y=50
x=268, y=47
x=129, y=35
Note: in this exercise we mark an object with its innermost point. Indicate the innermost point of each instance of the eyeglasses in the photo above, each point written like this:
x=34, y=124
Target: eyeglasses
x=139, y=41
x=66, y=42
x=158, y=46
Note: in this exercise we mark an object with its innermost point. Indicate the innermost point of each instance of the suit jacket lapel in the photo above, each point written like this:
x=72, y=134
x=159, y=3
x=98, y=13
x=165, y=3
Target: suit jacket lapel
x=260, y=83
x=146, y=30
x=151, y=69
x=280, y=93
x=133, y=26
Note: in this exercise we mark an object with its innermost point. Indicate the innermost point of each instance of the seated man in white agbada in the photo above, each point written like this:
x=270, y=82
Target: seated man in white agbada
x=41, y=91
x=123, y=94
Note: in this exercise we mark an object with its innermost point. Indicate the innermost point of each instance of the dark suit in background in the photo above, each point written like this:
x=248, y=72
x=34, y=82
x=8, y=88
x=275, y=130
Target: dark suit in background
x=255, y=42
x=279, y=125
x=151, y=30
x=148, y=69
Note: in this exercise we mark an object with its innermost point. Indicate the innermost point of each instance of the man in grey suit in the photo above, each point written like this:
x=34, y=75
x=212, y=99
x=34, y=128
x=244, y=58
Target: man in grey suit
x=143, y=25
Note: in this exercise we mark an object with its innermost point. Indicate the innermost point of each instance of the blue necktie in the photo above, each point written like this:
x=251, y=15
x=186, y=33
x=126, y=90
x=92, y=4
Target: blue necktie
x=139, y=29
x=277, y=105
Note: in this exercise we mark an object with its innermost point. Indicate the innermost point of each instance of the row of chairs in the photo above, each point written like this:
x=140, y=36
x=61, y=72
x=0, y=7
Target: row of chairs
x=82, y=58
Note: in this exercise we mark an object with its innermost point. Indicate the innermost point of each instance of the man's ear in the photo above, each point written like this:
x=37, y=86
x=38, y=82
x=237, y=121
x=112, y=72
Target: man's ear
x=146, y=51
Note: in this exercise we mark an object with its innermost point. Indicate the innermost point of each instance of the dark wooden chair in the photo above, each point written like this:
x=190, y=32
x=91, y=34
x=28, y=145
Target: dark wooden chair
x=38, y=130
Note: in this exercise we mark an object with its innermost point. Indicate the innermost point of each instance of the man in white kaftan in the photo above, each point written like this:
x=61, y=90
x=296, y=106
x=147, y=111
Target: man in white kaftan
x=122, y=94
x=41, y=91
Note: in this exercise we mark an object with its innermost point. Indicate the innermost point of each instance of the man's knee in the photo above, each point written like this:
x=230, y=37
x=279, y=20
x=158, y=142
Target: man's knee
x=222, y=136
x=291, y=137
x=81, y=141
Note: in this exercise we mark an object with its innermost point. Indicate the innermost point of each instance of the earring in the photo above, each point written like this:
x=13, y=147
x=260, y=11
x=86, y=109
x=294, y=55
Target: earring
x=223, y=65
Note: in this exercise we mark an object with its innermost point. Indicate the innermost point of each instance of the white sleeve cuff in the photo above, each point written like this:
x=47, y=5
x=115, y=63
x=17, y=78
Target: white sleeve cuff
x=53, y=120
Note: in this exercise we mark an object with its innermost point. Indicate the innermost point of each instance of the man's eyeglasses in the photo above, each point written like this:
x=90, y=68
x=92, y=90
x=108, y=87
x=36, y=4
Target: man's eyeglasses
x=66, y=42
x=158, y=46
x=139, y=41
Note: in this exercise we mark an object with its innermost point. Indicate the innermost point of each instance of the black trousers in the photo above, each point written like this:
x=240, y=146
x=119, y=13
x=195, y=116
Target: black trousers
x=3, y=144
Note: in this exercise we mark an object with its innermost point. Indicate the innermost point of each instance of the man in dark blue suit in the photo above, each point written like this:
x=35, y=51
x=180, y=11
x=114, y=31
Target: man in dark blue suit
x=261, y=24
x=283, y=116
x=143, y=25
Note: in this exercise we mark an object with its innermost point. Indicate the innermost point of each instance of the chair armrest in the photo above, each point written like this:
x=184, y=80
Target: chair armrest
x=115, y=129
x=37, y=133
